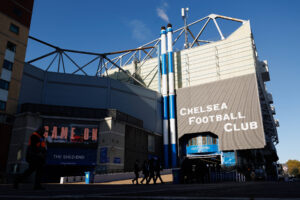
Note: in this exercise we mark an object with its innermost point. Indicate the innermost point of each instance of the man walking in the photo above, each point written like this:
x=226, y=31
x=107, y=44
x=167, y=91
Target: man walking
x=151, y=171
x=136, y=172
x=157, y=169
x=36, y=158
x=145, y=171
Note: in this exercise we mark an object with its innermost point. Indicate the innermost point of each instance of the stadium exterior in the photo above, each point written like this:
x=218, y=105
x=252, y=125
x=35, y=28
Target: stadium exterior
x=222, y=112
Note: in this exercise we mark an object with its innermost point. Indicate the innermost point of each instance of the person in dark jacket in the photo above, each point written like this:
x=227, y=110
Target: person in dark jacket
x=157, y=169
x=36, y=158
x=145, y=171
x=136, y=172
x=151, y=171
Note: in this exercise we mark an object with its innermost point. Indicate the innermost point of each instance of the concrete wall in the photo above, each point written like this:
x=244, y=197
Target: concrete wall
x=136, y=146
x=93, y=92
x=112, y=137
x=24, y=125
x=125, y=142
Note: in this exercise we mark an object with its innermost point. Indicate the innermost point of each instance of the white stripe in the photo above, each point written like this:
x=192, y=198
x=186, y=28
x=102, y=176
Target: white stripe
x=9, y=55
x=166, y=137
x=5, y=75
x=172, y=131
x=171, y=84
x=3, y=94
x=163, y=44
x=170, y=46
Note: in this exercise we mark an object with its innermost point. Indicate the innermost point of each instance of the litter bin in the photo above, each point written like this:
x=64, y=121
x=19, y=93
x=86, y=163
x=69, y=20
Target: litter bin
x=89, y=177
x=176, y=175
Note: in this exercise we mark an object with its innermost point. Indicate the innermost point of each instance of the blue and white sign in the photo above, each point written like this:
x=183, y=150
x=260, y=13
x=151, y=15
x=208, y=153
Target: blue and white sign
x=212, y=148
x=228, y=158
x=71, y=156
x=117, y=160
x=103, y=155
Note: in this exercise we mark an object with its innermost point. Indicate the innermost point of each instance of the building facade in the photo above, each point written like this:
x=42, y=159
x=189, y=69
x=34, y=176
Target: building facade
x=15, y=18
x=224, y=112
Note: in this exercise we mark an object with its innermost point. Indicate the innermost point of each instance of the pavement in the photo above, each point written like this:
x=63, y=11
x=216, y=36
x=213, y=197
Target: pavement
x=125, y=190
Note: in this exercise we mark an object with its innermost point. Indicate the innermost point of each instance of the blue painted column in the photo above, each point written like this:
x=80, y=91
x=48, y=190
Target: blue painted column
x=165, y=95
x=172, y=104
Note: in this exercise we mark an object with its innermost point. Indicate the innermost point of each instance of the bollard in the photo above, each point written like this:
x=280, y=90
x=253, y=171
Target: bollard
x=63, y=180
x=176, y=175
x=89, y=177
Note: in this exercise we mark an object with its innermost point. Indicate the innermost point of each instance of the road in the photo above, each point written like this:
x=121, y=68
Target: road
x=248, y=190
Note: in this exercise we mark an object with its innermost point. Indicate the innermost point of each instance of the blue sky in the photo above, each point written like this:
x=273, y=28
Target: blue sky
x=105, y=26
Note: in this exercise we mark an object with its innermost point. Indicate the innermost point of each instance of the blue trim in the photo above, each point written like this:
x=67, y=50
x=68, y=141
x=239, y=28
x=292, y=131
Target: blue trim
x=172, y=106
x=164, y=63
x=174, y=155
x=169, y=29
x=165, y=99
x=166, y=154
x=170, y=60
x=163, y=32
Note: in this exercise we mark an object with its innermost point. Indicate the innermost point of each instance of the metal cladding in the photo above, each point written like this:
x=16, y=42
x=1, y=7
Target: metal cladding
x=165, y=96
x=228, y=108
x=171, y=97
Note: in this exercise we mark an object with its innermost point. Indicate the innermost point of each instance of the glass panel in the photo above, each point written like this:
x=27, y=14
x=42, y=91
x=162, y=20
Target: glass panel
x=151, y=143
x=199, y=140
x=2, y=105
x=214, y=140
x=13, y=28
x=11, y=46
x=7, y=65
x=204, y=140
x=4, y=84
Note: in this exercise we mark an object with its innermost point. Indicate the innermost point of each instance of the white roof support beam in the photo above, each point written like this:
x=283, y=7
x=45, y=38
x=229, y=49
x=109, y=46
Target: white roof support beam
x=213, y=17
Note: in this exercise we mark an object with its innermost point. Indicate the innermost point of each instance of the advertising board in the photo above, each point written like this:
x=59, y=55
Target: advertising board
x=229, y=108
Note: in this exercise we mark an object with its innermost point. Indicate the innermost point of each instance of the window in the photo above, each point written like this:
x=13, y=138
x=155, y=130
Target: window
x=4, y=84
x=209, y=140
x=151, y=143
x=7, y=65
x=11, y=46
x=204, y=140
x=2, y=105
x=199, y=140
x=214, y=140
x=13, y=28
x=194, y=141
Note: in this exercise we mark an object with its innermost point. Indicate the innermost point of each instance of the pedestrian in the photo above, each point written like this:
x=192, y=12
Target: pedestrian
x=145, y=171
x=136, y=172
x=157, y=169
x=151, y=171
x=252, y=175
x=36, y=158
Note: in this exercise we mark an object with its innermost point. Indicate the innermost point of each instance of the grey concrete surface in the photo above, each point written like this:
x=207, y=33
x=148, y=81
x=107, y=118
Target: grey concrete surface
x=249, y=190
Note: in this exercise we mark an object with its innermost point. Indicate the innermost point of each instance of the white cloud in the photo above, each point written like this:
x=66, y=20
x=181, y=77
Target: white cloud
x=162, y=11
x=139, y=30
x=162, y=14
